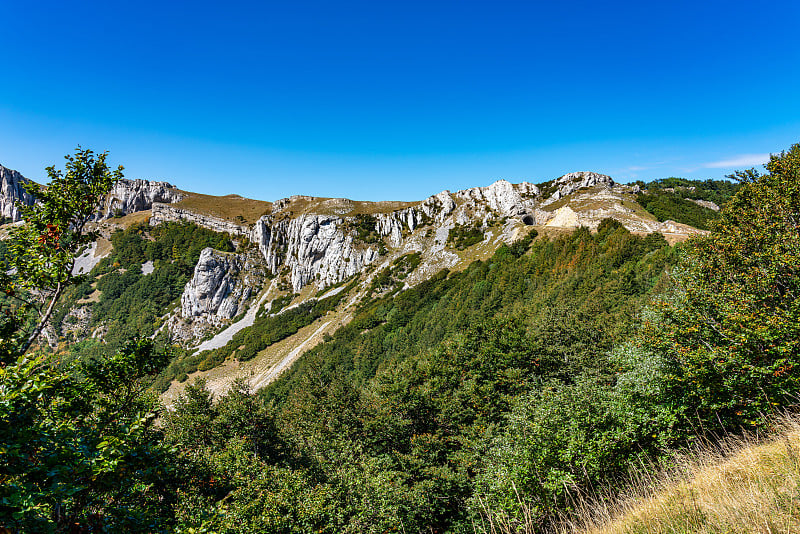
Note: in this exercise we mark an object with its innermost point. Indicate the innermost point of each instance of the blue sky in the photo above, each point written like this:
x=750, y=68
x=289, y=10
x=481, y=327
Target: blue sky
x=398, y=100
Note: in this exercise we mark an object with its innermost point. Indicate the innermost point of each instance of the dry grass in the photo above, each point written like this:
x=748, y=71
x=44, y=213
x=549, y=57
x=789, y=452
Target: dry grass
x=247, y=211
x=742, y=486
x=671, y=238
x=229, y=207
x=586, y=200
x=94, y=296
x=104, y=247
x=343, y=206
x=126, y=221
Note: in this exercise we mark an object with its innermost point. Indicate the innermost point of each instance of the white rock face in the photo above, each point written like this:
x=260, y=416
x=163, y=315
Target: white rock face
x=312, y=247
x=318, y=249
x=500, y=197
x=569, y=183
x=323, y=249
x=438, y=206
x=705, y=203
x=221, y=284
x=77, y=322
x=129, y=196
x=11, y=192
x=87, y=261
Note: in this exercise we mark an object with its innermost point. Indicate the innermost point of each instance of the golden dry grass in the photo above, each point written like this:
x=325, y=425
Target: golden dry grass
x=247, y=211
x=743, y=486
x=229, y=207
x=94, y=296
x=126, y=221
x=343, y=206
x=104, y=247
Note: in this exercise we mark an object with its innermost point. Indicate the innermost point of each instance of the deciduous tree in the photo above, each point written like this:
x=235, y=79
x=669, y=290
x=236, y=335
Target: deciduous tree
x=732, y=330
x=78, y=450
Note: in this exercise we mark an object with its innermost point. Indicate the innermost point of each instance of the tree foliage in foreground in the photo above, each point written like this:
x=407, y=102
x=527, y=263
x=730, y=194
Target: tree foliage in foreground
x=485, y=397
x=41, y=253
x=78, y=449
x=731, y=329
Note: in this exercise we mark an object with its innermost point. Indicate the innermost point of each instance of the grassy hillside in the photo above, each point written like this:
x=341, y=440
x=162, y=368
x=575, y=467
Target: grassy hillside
x=486, y=399
x=742, y=486
x=234, y=208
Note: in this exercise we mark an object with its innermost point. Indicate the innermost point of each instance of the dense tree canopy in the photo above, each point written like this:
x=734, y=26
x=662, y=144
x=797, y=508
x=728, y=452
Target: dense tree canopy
x=731, y=330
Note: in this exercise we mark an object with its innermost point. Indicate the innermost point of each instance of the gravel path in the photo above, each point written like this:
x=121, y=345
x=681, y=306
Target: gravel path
x=259, y=382
x=222, y=339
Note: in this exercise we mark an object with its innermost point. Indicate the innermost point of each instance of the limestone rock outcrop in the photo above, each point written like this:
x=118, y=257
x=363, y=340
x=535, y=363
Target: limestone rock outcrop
x=12, y=191
x=129, y=196
x=323, y=248
x=501, y=197
x=222, y=282
x=705, y=203
x=311, y=247
x=571, y=182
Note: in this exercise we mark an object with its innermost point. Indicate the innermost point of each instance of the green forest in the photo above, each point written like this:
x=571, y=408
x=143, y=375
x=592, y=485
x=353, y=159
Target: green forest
x=492, y=395
x=129, y=303
x=676, y=199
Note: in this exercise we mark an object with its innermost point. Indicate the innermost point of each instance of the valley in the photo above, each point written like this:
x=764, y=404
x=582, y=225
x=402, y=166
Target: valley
x=466, y=363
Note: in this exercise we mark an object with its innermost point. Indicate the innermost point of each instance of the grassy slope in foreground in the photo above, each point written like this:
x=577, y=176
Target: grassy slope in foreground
x=743, y=486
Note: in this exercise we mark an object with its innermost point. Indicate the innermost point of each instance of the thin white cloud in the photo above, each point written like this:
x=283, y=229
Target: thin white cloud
x=743, y=160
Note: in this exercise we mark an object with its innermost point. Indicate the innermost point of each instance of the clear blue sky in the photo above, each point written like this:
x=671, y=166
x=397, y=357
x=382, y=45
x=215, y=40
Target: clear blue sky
x=398, y=100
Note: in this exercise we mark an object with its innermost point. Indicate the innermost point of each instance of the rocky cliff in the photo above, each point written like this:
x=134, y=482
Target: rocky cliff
x=575, y=181
x=305, y=240
x=129, y=196
x=12, y=191
x=219, y=290
x=311, y=248
x=325, y=248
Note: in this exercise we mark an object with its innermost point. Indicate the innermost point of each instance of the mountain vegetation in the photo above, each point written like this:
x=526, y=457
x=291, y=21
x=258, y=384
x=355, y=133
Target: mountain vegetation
x=740, y=485
x=677, y=199
x=129, y=303
x=482, y=399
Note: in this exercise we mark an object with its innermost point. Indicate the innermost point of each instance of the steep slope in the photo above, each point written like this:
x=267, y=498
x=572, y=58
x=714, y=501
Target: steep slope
x=743, y=486
x=289, y=251
x=308, y=244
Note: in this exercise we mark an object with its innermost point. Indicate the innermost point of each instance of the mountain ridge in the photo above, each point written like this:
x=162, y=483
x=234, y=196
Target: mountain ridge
x=296, y=247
